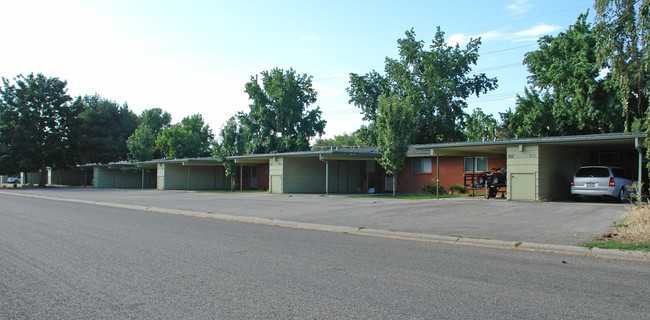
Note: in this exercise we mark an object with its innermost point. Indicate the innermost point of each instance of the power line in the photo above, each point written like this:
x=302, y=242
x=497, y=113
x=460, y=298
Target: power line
x=469, y=31
x=526, y=19
x=511, y=48
x=505, y=66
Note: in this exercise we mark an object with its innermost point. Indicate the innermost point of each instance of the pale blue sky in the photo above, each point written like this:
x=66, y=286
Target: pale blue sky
x=192, y=57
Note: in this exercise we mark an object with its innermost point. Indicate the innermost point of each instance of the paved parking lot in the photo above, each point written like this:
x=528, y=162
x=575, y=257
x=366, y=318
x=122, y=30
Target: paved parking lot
x=563, y=223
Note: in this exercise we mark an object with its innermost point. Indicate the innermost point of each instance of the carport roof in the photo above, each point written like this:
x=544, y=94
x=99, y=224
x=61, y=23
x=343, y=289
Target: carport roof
x=110, y=165
x=334, y=154
x=182, y=161
x=369, y=153
x=611, y=141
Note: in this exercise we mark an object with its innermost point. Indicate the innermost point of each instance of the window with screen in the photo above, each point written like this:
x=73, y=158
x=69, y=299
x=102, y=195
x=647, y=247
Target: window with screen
x=421, y=165
x=476, y=164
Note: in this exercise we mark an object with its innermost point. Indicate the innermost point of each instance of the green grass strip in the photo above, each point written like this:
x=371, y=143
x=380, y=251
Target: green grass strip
x=613, y=244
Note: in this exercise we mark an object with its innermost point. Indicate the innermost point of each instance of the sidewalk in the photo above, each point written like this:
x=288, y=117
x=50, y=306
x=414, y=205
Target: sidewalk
x=546, y=226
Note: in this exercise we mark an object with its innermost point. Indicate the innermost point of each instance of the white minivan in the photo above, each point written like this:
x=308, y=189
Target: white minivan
x=597, y=180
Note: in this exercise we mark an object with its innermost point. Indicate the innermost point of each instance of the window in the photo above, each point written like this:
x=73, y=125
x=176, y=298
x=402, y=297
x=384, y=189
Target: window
x=421, y=165
x=389, y=183
x=595, y=172
x=477, y=164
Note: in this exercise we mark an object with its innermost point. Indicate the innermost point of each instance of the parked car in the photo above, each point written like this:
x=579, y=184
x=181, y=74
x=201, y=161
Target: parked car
x=598, y=180
x=13, y=180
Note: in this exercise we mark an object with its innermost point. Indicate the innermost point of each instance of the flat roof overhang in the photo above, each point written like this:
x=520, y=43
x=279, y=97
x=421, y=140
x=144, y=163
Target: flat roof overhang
x=183, y=162
x=110, y=165
x=608, y=142
x=323, y=155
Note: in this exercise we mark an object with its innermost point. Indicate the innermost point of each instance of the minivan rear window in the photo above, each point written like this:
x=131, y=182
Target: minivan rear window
x=592, y=172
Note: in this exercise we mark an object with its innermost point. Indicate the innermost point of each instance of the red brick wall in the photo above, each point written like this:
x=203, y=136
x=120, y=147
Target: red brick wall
x=496, y=163
x=451, y=172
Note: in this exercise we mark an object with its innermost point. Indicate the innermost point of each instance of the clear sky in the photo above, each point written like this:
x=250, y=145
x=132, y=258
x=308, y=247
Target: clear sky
x=193, y=56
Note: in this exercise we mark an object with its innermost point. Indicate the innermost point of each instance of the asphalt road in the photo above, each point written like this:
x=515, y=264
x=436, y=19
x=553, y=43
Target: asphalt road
x=63, y=260
x=561, y=223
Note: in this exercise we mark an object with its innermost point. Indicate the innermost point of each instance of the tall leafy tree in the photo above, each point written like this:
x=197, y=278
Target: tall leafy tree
x=156, y=119
x=188, y=139
x=393, y=134
x=341, y=141
x=364, y=91
x=366, y=135
x=623, y=27
x=566, y=93
x=106, y=126
x=533, y=117
x=231, y=143
x=480, y=126
x=39, y=125
x=141, y=144
x=435, y=82
x=279, y=119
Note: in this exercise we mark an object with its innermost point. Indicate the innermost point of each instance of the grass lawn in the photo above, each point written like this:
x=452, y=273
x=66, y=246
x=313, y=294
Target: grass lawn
x=614, y=244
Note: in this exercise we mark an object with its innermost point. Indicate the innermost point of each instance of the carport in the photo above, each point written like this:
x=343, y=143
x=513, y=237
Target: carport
x=33, y=178
x=188, y=173
x=542, y=168
x=120, y=175
x=67, y=177
x=328, y=171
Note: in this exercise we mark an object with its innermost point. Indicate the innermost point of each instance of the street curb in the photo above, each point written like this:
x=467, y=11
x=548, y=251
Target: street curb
x=475, y=242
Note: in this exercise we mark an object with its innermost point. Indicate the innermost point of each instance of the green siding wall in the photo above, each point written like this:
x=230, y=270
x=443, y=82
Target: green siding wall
x=117, y=178
x=522, y=164
x=542, y=172
x=556, y=168
x=344, y=176
x=303, y=175
x=68, y=177
x=102, y=178
x=175, y=176
x=220, y=180
x=33, y=178
x=205, y=178
x=307, y=175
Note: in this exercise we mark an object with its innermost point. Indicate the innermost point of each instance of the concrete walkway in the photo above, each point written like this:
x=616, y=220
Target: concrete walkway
x=547, y=226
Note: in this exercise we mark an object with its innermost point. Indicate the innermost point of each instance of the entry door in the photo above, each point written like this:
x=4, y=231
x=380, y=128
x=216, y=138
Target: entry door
x=253, y=177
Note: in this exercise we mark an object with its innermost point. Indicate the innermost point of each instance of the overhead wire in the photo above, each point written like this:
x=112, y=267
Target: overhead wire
x=469, y=31
x=486, y=98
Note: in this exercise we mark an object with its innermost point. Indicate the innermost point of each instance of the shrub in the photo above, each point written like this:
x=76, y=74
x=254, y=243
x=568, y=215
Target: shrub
x=431, y=189
x=457, y=188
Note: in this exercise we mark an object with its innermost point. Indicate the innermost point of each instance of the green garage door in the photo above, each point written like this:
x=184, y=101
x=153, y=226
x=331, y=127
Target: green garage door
x=522, y=186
